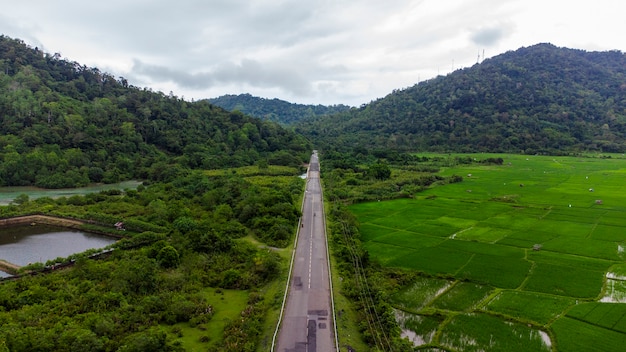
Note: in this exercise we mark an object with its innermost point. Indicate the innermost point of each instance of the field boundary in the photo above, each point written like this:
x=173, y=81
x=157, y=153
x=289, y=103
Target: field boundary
x=43, y=219
x=8, y=267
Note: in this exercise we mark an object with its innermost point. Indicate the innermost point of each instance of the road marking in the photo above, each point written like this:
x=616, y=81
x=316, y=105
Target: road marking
x=311, y=243
x=310, y=258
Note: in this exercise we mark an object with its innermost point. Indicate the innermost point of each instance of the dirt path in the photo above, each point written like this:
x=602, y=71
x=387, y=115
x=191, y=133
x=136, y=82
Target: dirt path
x=8, y=268
x=43, y=219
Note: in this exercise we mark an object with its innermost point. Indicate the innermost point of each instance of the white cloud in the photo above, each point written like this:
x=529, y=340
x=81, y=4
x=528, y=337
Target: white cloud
x=325, y=51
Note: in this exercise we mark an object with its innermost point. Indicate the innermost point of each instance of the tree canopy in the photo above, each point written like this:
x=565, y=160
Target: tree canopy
x=275, y=110
x=67, y=125
x=539, y=99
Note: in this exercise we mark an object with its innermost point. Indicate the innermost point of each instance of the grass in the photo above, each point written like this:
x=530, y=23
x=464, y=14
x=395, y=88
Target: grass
x=563, y=281
x=503, y=272
x=273, y=293
x=247, y=171
x=420, y=293
x=463, y=296
x=433, y=260
x=408, y=240
x=480, y=332
x=540, y=231
x=575, y=335
x=535, y=307
x=607, y=315
x=420, y=329
x=346, y=316
x=483, y=234
x=227, y=305
x=607, y=233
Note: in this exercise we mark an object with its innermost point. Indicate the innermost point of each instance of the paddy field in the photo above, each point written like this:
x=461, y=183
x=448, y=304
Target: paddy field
x=523, y=256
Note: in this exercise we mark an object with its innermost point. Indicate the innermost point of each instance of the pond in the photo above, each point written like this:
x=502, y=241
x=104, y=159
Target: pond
x=26, y=244
x=7, y=194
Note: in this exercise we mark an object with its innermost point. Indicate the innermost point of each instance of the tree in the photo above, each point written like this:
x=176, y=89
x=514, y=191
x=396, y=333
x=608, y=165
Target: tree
x=380, y=171
x=168, y=257
x=21, y=199
x=136, y=275
x=151, y=340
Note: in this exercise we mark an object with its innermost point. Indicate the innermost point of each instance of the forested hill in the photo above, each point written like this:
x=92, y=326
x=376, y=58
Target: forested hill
x=536, y=99
x=65, y=124
x=276, y=110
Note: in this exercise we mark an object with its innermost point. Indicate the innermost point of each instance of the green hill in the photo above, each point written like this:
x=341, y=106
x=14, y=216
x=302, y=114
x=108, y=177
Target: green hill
x=276, y=110
x=65, y=124
x=536, y=99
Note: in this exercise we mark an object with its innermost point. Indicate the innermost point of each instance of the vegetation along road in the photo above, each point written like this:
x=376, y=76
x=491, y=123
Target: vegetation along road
x=307, y=323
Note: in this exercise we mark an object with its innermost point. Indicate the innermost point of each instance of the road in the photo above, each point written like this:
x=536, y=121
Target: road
x=307, y=323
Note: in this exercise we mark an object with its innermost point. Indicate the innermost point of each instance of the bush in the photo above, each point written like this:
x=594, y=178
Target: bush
x=168, y=257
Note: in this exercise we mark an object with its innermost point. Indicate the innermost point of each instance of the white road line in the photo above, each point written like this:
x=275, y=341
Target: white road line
x=311, y=244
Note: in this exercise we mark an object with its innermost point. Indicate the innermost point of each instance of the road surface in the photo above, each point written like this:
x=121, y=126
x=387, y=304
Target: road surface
x=307, y=323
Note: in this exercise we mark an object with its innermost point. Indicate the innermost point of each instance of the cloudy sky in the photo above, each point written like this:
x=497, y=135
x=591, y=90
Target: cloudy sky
x=313, y=52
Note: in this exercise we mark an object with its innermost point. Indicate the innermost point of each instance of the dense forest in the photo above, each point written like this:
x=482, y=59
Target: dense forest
x=275, y=110
x=199, y=262
x=538, y=99
x=68, y=125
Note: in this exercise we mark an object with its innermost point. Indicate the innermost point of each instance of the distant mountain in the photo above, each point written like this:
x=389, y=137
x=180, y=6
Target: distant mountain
x=276, y=110
x=65, y=124
x=536, y=99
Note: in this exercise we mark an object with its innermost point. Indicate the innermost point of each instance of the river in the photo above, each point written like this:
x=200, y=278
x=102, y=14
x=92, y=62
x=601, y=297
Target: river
x=7, y=194
x=39, y=243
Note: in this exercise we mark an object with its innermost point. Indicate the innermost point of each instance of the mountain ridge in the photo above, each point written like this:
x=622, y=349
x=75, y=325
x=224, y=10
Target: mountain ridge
x=536, y=99
x=277, y=110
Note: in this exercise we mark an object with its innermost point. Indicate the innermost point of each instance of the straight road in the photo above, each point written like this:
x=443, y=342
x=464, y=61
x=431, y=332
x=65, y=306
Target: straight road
x=307, y=323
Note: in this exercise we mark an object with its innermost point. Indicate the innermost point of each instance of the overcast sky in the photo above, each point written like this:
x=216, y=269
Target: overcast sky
x=303, y=51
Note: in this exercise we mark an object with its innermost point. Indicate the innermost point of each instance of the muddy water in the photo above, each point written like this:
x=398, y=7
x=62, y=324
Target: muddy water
x=26, y=244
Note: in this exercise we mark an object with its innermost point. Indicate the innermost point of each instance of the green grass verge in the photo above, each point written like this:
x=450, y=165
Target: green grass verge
x=227, y=305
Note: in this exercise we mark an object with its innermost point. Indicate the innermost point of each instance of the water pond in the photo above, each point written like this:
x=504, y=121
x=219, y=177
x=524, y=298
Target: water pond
x=26, y=244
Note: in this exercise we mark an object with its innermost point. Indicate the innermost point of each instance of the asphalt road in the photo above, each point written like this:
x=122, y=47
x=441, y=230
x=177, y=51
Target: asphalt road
x=307, y=324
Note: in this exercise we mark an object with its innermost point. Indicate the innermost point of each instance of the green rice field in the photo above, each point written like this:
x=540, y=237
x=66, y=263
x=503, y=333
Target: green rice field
x=523, y=256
